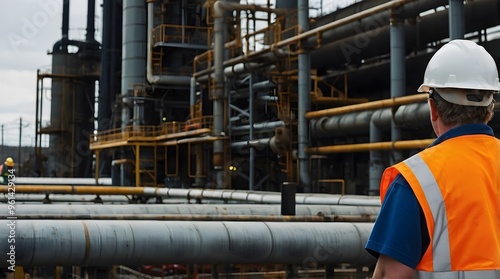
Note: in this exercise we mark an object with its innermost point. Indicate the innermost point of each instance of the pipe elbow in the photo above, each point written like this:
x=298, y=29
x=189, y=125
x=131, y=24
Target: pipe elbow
x=218, y=9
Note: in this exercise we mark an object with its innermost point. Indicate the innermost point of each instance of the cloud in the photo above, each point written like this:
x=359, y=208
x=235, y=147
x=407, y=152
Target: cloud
x=29, y=30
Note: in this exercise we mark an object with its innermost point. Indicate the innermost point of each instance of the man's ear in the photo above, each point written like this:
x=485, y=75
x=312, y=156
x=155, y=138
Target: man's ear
x=434, y=112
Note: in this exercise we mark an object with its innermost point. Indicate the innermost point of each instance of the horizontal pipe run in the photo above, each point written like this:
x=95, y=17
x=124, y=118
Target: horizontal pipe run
x=67, y=198
x=392, y=102
x=277, y=49
x=124, y=242
x=82, y=190
x=191, y=209
x=189, y=217
x=360, y=147
x=316, y=32
x=196, y=193
x=62, y=181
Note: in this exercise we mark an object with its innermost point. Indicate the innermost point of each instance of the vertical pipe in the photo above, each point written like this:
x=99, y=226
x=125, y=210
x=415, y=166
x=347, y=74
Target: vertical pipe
x=19, y=150
x=398, y=71
x=376, y=167
x=137, y=165
x=192, y=94
x=41, y=116
x=133, y=54
x=133, y=64
x=183, y=21
x=109, y=82
x=218, y=101
x=251, y=97
x=286, y=4
x=89, y=37
x=199, y=181
x=456, y=19
x=104, y=109
x=38, y=118
x=65, y=26
x=304, y=88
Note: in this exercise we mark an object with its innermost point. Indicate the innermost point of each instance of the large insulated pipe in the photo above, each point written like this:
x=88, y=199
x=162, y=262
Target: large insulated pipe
x=393, y=102
x=183, y=81
x=456, y=19
x=304, y=88
x=133, y=55
x=367, y=23
x=62, y=181
x=196, y=193
x=110, y=242
x=232, y=68
x=203, y=217
x=398, y=70
x=242, y=68
x=261, y=126
x=193, y=209
x=251, y=143
x=67, y=199
x=358, y=123
x=133, y=64
x=373, y=40
x=261, y=87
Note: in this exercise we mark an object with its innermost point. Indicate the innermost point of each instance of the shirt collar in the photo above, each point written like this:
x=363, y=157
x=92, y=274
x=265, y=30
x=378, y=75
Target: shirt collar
x=467, y=129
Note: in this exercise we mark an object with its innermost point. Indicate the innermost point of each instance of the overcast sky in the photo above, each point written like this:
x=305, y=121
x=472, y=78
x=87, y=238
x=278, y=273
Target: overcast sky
x=28, y=30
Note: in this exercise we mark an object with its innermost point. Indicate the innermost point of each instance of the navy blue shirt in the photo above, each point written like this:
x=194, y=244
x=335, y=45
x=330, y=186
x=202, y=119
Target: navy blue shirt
x=400, y=231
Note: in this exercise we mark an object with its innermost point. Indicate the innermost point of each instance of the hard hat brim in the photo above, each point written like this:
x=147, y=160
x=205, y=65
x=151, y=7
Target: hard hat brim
x=462, y=97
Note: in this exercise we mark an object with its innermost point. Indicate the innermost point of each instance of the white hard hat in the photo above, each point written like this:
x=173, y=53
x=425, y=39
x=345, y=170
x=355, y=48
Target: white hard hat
x=462, y=64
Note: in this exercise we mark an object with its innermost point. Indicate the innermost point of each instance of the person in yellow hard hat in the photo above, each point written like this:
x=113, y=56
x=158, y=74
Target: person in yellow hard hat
x=6, y=169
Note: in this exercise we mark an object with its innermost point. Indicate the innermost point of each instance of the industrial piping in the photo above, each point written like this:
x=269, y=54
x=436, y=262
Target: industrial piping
x=105, y=243
x=183, y=81
x=192, y=209
x=194, y=193
x=304, y=105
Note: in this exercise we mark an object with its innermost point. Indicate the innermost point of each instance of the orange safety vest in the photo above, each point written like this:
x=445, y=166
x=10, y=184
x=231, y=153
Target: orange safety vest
x=457, y=184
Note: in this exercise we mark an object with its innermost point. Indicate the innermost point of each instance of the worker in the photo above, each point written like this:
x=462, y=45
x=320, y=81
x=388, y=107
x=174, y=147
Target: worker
x=440, y=213
x=6, y=169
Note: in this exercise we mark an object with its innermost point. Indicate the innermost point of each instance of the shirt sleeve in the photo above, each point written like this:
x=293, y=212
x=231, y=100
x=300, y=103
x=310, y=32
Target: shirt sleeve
x=397, y=232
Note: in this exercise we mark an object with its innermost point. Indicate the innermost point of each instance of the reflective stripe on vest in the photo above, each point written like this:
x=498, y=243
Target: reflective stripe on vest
x=441, y=243
x=477, y=274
